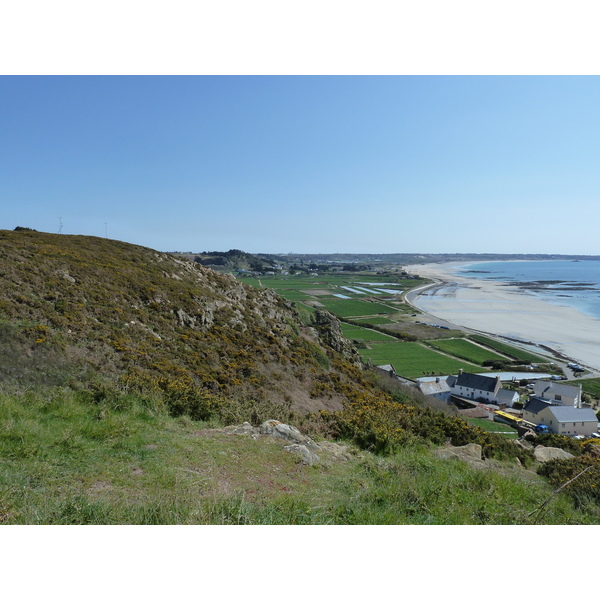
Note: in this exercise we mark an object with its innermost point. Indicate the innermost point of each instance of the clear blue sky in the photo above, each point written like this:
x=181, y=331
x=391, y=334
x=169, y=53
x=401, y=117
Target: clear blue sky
x=306, y=164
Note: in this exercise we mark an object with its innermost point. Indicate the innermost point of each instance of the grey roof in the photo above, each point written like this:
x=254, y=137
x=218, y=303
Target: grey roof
x=551, y=387
x=451, y=380
x=506, y=395
x=478, y=382
x=429, y=388
x=535, y=405
x=564, y=414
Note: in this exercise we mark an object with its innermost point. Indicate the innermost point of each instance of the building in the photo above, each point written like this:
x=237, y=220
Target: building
x=437, y=388
x=558, y=393
x=566, y=420
x=482, y=388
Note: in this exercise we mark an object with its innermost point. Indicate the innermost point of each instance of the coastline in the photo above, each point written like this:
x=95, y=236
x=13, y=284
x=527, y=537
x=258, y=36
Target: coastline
x=506, y=310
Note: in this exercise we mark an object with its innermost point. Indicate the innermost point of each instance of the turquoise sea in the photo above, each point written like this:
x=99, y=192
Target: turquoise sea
x=565, y=282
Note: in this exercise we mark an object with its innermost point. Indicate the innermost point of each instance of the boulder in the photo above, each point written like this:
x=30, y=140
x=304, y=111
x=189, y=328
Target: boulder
x=307, y=456
x=543, y=454
x=470, y=453
x=287, y=432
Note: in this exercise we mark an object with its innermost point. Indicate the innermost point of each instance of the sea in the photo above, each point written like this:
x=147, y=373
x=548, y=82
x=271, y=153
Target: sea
x=574, y=283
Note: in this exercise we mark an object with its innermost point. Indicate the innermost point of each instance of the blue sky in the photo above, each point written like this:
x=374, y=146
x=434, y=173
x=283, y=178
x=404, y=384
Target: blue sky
x=306, y=163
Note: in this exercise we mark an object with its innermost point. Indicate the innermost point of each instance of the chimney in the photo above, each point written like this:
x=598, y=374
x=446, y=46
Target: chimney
x=460, y=372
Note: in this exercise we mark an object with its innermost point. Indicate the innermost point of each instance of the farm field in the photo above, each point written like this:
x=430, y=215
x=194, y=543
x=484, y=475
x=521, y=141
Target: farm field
x=354, y=332
x=364, y=302
x=510, y=351
x=413, y=360
x=373, y=320
x=355, y=308
x=466, y=350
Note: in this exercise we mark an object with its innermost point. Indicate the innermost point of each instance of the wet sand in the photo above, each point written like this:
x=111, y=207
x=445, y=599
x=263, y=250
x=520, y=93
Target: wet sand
x=505, y=310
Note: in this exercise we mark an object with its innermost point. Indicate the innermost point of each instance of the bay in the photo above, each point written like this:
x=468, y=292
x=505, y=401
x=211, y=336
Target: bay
x=563, y=282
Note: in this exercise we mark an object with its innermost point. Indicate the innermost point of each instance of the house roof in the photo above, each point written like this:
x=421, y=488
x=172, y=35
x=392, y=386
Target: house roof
x=535, y=405
x=506, y=395
x=429, y=388
x=563, y=414
x=478, y=382
x=550, y=387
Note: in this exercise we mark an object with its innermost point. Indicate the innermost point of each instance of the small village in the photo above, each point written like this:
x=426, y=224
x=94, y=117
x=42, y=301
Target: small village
x=550, y=407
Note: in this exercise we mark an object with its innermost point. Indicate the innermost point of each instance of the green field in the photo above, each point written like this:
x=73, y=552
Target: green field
x=353, y=332
x=466, y=350
x=354, y=308
x=511, y=351
x=501, y=428
x=374, y=320
x=591, y=386
x=413, y=360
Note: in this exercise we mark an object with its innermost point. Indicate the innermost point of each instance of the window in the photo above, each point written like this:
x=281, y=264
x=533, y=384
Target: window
x=557, y=397
x=563, y=425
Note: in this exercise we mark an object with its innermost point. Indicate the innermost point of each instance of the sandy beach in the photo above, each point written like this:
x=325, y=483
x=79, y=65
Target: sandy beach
x=500, y=309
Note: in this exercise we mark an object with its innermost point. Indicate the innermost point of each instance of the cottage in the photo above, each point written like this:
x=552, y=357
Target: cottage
x=482, y=388
x=566, y=420
x=558, y=393
x=438, y=388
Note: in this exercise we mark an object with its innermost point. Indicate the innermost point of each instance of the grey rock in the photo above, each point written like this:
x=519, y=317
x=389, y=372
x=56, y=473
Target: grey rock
x=286, y=432
x=307, y=456
x=337, y=451
x=245, y=429
x=469, y=452
x=543, y=454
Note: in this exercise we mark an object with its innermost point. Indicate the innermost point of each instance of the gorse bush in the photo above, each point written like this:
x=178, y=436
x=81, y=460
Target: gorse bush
x=384, y=424
x=583, y=490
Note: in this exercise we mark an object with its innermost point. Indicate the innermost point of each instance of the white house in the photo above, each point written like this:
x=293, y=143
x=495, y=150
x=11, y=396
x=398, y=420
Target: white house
x=482, y=388
x=566, y=420
x=558, y=393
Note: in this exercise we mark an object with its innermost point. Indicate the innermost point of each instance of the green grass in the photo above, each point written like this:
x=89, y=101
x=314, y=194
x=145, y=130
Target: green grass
x=510, y=351
x=361, y=333
x=465, y=350
x=354, y=308
x=66, y=461
x=372, y=320
x=413, y=360
x=488, y=425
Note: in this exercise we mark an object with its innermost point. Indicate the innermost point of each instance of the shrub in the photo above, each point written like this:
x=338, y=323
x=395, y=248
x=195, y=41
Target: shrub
x=582, y=490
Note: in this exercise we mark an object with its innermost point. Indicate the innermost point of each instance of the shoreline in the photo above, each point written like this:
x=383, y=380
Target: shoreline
x=505, y=310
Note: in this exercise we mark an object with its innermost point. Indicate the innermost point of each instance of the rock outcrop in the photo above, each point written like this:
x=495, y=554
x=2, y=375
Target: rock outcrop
x=307, y=449
x=543, y=454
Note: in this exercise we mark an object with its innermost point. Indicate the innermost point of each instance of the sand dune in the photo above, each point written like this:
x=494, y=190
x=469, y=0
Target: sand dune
x=497, y=308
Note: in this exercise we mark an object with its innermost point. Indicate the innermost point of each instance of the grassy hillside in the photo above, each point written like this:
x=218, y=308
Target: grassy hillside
x=120, y=367
x=119, y=318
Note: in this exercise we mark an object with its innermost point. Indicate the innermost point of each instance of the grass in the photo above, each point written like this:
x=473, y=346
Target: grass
x=413, y=360
x=465, y=350
x=510, y=351
x=591, y=385
x=64, y=460
x=355, y=308
x=354, y=332
x=373, y=320
x=493, y=426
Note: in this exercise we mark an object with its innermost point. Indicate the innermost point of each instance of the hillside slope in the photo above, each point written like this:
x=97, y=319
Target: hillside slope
x=113, y=316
